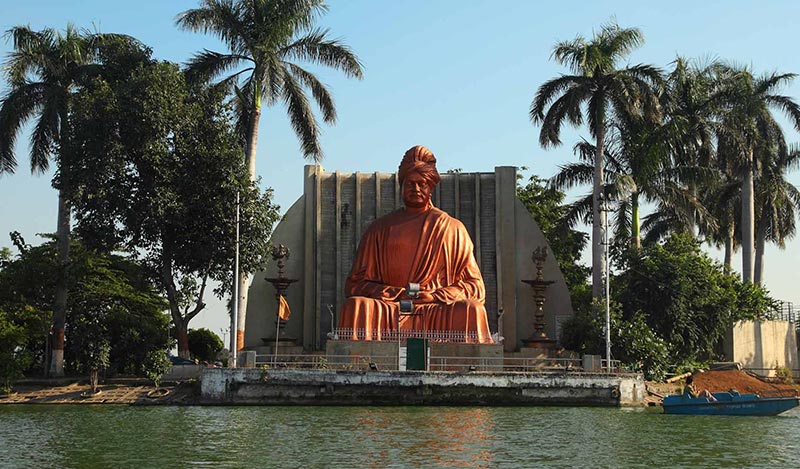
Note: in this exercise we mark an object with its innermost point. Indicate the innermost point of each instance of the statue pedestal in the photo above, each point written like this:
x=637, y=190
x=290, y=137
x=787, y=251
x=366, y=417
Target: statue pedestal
x=284, y=348
x=444, y=356
x=358, y=354
x=540, y=355
x=545, y=345
x=453, y=356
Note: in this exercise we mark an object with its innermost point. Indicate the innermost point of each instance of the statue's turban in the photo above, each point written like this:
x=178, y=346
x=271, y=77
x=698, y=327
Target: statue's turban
x=421, y=160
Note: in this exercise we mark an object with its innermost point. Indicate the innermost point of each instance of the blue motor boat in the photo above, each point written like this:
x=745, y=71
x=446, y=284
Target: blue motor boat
x=731, y=403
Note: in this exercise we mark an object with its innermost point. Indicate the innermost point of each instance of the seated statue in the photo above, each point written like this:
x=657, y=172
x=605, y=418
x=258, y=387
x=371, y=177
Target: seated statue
x=421, y=244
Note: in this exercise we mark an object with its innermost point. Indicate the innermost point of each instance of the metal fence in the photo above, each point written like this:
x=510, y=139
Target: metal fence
x=785, y=311
x=435, y=363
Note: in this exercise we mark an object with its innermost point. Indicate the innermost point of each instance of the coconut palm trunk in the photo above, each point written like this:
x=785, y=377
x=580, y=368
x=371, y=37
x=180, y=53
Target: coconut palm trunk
x=244, y=277
x=62, y=286
x=729, y=239
x=761, y=241
x=748, y=221
x=636, y=235
x=62, y=283
x=599, y=215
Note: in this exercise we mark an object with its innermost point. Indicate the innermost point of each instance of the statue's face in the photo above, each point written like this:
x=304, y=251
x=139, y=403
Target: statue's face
x=416, y=190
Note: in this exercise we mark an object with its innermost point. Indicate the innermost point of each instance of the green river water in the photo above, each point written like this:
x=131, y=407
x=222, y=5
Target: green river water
x=64, y=436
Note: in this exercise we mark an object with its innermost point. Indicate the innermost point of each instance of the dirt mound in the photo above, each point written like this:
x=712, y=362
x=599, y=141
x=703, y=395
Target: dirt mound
x=720, y=381
x=725, y=380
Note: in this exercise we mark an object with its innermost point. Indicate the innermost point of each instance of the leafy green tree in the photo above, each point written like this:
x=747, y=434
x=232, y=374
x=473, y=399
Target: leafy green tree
x=112, y=302
x=15, y=358
x=685, y=297
x=161, y=180
x=204, y=345
x=546, y=205
x=266, y=39
x=600, y=86
x=116, y=315
x=636, y=344
x=42, y=71
x=671, y=306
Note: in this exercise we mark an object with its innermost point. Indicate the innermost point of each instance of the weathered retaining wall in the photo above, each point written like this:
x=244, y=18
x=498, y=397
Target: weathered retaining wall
x=227, y=386
x=763, y=345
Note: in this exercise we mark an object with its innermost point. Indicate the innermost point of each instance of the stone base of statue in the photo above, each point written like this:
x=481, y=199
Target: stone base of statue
x=538, y=344
x=359, y=354
x=444, y=356
x=451, y=356
x=538, y=355
x=284, y=347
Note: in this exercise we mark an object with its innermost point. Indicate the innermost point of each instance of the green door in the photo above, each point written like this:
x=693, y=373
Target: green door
x=416, y=354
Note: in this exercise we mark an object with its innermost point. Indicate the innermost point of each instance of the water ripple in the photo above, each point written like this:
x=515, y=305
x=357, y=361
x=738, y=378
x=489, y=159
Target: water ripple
x=232, y=437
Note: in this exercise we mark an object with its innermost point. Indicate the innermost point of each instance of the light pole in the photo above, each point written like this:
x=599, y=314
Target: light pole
x=607, y=278
x=235, y=315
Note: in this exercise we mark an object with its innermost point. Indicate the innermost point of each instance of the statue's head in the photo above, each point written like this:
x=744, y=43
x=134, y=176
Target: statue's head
x=418, y=176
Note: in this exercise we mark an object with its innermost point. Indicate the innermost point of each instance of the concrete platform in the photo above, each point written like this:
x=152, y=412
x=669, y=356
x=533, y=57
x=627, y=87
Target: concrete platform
x=444, y=356
x=225, y=386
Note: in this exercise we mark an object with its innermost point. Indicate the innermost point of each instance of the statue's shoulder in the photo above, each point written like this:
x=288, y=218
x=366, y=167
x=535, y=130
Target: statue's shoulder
x=441, y=216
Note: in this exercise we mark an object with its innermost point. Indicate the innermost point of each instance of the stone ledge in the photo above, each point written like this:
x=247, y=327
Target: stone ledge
x=327, y=387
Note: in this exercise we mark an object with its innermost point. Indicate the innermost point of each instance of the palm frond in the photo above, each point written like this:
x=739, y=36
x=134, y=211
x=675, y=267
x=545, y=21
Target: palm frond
x=571, y=175
x=222, y=18
x=315, y=47
x=566, y=107
x=45, y=133
x=207, y=65
x=319, y=91
x=302, y=118
x=18, y=106
x=550, y=91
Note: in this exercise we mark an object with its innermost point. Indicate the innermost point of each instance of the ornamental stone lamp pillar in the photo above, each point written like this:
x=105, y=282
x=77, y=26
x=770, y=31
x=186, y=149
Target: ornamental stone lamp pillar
x=539, y=338
x=281, y=283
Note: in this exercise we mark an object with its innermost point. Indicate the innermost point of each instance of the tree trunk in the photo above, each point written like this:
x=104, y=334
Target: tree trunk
x=182, y=334
x=748, y=216
x=761, y=238
x=93, y=379
x=598, y=215
x=168, y=281
x=244, y=277
x=636, y=238
x=60, y=304
x=729, y=238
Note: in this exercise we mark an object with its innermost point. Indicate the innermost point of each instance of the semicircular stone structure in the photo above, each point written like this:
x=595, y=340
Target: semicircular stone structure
x=323, y=227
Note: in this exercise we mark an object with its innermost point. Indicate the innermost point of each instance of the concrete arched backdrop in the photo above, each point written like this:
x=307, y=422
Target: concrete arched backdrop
x=323, y=227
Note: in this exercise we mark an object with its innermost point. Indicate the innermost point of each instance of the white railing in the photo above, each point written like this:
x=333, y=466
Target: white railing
x=436, y=363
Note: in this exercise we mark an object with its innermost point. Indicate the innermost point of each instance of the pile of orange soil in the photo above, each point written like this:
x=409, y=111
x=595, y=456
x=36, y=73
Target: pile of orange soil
x=725, y=380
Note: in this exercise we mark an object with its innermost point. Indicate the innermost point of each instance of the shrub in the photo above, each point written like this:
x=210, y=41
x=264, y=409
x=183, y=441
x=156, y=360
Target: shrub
x=156, y=365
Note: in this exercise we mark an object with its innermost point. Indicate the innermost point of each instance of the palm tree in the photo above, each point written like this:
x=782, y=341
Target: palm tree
x=689, y=128
x=637, y=170
x=42, y=72
x=688, y=134
x=751, y=129
x=266, y=38
x=599, y=85
x=777, y=205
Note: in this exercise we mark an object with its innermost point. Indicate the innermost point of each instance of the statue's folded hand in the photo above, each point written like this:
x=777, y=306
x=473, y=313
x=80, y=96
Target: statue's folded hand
x=422, y=297
x=425, y=297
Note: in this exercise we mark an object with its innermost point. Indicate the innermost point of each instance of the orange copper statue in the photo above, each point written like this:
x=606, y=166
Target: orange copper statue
x=416, y=244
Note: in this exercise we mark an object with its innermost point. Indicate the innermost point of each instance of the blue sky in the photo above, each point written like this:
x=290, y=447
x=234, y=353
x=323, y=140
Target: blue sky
x=455, y=75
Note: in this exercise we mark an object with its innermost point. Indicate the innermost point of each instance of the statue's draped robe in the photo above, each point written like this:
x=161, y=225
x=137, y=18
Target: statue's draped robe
x=430, y=248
